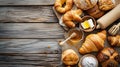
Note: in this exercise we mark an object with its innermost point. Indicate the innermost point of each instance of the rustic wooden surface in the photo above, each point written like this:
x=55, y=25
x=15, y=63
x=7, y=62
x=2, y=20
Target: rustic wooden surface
x=31, y=30
x=27, y=14
x=26, y=2
x=29, y=34
x=29, y=52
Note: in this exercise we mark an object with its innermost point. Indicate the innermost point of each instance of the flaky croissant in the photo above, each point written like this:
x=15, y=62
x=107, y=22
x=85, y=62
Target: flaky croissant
x=93, y=42
x=70, y=57
x=70, y=16
x=59, y=3
x=114, y=40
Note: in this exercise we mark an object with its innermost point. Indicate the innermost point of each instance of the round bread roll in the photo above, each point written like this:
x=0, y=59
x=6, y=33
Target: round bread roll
x=106, y=4
x=70, y=57
x=85, y=4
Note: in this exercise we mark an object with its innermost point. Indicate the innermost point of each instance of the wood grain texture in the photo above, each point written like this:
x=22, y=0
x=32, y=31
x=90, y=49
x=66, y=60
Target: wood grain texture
x=30, y=53
x=45, y=60
x=31, y=30
x=41, y=46
x=26, y=2
x=27, y=14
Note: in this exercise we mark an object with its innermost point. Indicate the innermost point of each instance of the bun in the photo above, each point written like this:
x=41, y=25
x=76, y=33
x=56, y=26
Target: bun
x=85, y=4
x=95, y=12
x=69, y=57
x=70, y=16
x=108, y=57
x=59, y=3
x=93, y=42
x=106, y=4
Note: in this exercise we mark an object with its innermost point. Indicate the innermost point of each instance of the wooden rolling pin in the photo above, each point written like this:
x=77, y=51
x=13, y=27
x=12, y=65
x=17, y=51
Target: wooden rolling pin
x=109, y=18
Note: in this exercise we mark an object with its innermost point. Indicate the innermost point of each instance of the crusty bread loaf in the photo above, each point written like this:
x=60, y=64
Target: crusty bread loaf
x=85, y=4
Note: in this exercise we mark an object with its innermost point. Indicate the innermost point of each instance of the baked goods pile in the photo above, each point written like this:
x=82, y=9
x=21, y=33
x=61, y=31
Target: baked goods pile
x=97, y=48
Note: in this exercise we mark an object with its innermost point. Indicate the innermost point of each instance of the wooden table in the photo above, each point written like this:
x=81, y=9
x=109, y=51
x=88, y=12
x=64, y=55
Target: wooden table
x=29, y=34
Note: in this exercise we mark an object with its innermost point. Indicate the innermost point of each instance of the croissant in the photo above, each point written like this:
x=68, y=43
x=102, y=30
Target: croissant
x=59, y=3
x=70, y=16
x=93, y=42
x=114, y=40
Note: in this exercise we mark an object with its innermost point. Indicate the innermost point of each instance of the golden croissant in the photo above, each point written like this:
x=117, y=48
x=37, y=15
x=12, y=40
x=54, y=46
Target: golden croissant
x=70, y=16
x=93, y=42
x=59, y=3
x=114, y=40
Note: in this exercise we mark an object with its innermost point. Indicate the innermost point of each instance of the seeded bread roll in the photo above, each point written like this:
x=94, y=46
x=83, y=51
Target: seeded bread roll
x=85, y=4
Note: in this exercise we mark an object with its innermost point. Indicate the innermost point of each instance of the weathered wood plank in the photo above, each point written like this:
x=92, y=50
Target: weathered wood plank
x=19, y=65
x=41, y=46
x=27, y=14
x=30, y=53
x=31, y=30
x=27, y=2
x=30, y=59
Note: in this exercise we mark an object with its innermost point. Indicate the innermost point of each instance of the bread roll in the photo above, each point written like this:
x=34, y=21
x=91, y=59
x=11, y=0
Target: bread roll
x=70, y=57
x=106, y=4
x=85, y=4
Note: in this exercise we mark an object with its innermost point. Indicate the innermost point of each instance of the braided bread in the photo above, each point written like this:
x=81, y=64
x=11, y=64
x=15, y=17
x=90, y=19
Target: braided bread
x=59, y=3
